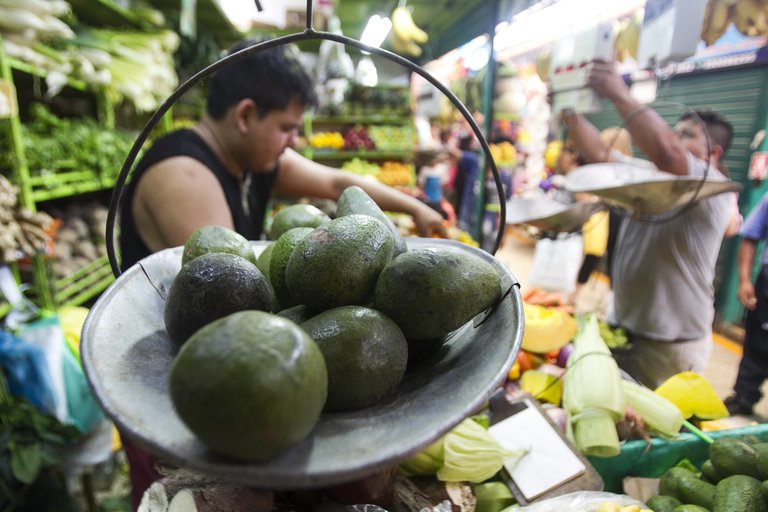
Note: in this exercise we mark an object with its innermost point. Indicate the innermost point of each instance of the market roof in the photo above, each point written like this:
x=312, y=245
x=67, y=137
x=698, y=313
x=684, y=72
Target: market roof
x=449, y=23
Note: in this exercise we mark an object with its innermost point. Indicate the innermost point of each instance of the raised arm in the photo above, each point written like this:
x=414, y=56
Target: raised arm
x=300, y=176
x=648, y=129
x=585, y=137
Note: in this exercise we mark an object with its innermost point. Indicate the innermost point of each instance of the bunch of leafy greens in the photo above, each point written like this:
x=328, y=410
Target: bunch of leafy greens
x=54, y=144
x=30, y=443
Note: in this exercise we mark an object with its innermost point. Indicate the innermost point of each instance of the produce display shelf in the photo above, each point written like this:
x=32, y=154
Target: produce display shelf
x=58, y=185
x=86, y=283
x=340, y=155
x=104, y=13
x=42, y=73
x=362, y=119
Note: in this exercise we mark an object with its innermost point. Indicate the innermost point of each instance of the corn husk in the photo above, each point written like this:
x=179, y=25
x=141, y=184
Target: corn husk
x=659, y=414
x=592, y=392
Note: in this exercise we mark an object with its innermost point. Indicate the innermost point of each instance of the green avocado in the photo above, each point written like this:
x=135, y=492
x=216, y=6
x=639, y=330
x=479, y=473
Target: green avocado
x=338, y=263
x=210, y=287
x=365, y=352
x=278, y=261
x=355, y=200
x=216, y=239
x=296, y=216
x=249, y=385
x=430, y=292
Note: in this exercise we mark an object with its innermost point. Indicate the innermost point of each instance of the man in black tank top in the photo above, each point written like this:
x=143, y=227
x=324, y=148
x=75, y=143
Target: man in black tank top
x=223, y=171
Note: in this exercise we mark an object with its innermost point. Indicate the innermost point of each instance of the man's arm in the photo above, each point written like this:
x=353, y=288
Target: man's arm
x=300, y=176
x=648, y=129
x=175, y=198
x=744, y=262
x=585, y=137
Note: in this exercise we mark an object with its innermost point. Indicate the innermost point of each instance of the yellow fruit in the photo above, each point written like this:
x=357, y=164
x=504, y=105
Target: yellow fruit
x=404, y=27
x=546, y=329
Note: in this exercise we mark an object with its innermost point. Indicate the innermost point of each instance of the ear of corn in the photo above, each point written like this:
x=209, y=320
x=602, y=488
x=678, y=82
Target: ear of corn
x=659, y=414
x=593, y=396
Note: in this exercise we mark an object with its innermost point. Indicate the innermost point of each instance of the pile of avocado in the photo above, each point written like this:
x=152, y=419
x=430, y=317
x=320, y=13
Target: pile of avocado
x=733, y=479
x=329, y=317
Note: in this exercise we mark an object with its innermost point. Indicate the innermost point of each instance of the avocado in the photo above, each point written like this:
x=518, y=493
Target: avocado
x=683, y=484
x=355, y=200
x=209, y=287
x=430, y=292
x=689, y=507
x=338, y=263
x=278, y=262
x=732, y=456
x=262, y=261
x=709, y=472
x=249, y=385
x=761, y=457
x=662, y=503
x=365, y=353
x=299, y=313
x=738, y=493
x=216, y=239
x=296, y=216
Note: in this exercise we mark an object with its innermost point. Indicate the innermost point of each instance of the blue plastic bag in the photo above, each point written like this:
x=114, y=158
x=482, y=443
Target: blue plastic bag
x=26, y=372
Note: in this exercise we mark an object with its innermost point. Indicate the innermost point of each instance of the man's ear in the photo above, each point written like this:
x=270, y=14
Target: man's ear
x=244, y=109
x=716, y=152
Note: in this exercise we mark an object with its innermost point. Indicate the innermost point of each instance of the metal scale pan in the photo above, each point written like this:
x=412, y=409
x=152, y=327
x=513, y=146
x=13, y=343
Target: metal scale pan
x=127, y=354
x=127, y=357
x=643, y=190
x=550, y=216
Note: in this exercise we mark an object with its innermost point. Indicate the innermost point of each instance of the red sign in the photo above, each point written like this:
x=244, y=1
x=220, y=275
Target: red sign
x=758, y=166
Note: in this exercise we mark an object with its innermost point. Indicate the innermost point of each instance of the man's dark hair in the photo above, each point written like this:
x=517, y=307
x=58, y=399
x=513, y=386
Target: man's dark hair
x=719, y=129
x=271, y=78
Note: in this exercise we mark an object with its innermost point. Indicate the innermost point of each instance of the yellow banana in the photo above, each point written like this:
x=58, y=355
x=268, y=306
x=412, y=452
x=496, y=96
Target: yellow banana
x=632, y=32
x=405, y=47
x=405, y=28
x=717, y=16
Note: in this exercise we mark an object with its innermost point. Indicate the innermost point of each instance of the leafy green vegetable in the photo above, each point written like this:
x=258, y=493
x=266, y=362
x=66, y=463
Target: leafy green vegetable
x=55, y=144
x=30, y=442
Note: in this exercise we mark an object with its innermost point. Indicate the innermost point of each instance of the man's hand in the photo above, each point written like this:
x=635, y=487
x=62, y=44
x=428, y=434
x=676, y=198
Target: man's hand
x=606, y=82
x=429, y=222
x=747, y=295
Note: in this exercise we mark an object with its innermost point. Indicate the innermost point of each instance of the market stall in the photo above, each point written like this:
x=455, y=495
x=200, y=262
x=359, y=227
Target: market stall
x=262, y=388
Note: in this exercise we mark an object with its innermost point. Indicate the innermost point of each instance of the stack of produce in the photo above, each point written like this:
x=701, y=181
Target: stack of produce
x=397, y=174
x=362, y=167
x=327, y=140
x=22, y=233
x=391, y=137
x=553, y=370
x=733, y=479
x=350, y=318
x=140, y=63
x=25, y=27
x=81, y=239
x=73, y=144
x=356, y=139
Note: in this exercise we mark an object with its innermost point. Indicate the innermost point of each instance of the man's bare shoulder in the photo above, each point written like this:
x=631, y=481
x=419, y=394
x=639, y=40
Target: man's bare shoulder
x=179, y=175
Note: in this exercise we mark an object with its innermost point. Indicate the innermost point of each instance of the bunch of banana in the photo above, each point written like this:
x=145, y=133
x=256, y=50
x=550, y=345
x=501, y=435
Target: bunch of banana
x=406, y=36
x=628, y=35
x=750, y=17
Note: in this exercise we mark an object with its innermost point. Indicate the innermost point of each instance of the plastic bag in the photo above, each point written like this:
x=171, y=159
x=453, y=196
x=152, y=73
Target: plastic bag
x=582, y=501
x=26, y=372
x=556, y=263
x=46, y=334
